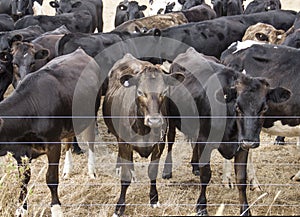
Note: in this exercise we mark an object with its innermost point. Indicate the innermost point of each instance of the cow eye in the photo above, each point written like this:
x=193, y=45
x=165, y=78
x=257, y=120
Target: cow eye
x=140, y=93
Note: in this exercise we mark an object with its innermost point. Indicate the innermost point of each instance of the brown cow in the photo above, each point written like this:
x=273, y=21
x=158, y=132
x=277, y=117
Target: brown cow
x=263, y=32
x=134, y=110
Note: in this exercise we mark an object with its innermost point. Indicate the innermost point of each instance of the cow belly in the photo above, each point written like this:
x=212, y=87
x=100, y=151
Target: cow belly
x=282, y=130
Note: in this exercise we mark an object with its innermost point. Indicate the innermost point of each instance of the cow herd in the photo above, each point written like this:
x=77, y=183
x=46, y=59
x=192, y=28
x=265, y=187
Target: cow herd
x=231, y=73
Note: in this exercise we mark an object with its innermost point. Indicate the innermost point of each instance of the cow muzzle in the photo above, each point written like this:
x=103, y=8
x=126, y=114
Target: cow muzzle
x=247, y=144
x=153, y=121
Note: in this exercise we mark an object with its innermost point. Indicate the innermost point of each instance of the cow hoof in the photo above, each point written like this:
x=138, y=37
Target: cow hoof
x=156, y=205
x=167, y=175
x=66, y=176
x=92, y=175
x=21, y=212
x=202, y=212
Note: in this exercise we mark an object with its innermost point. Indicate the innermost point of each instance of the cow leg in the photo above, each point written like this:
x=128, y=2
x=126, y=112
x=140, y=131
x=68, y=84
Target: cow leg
x=76, y=147
x=89, y=138
x=24, y=175
x=240, y=168
x=279, y=140
x=126, y=164
x=195, y=160
x=204, y=152
x=52, y=178
x=152, y=173
x=168, y=167
x=254, y=184
x=68, y=159
x=226, y=177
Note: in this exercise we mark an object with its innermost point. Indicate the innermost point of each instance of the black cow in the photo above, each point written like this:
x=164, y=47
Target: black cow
x=293, y=34
x=218, y=97
x=94, y=7
x=186, y=4
x=5, y=72
x=137, y=90
x=228, y=7
x=25, y=34
x=128, y=10
x=79, y=21
x=6, y=23
x=73, y=79
x=262, y=5
x=212, y=37
x=199, y=13
x=279, y=64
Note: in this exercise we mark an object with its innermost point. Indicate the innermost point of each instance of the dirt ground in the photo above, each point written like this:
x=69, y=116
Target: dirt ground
x=81, y=196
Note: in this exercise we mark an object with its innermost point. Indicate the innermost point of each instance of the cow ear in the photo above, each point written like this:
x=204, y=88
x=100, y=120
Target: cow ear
x=174, y=79
x=5, y=57
x=226, y=94
x=76, y=4
x=122, y=7
x=54, y=4
x=279, y=95
x=142, y=7
x=41, y=54
x=128, y=80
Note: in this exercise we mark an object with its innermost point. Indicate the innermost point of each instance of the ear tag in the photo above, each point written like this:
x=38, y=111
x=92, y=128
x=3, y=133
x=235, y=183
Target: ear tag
x=126, y=83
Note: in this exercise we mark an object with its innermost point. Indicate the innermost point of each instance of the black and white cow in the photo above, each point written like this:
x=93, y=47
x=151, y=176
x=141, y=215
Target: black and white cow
x=73, y=79
x=128, y=10
x=279, y=65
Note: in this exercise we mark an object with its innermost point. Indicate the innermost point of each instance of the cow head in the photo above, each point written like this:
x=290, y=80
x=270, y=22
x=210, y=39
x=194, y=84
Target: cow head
x=133, y=9
x=65, y=6
x=251, y=97
x=27, y=58
x=151, y=86
x=5, y=72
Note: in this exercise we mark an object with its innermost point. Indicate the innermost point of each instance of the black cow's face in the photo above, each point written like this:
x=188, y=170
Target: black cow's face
x=21, y=7
x=151, y=90
x=24, y=60
x=133, y=10
x=65, y=6
x=252, y=97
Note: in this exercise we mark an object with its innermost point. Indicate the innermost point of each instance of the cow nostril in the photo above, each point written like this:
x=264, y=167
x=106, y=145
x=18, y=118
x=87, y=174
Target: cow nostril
x=154, y=122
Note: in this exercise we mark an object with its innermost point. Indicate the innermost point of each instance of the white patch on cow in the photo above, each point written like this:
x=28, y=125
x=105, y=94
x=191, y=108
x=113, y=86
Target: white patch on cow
x=68, y=164
x=21, y=212
x=56, y=211
x=115, y=215
x=37, y=9
x=245, y=44
x=279, y=36
x=244, y=72
x=91, y=164
x=155, y=205
x=25, y=55
x=283, y=130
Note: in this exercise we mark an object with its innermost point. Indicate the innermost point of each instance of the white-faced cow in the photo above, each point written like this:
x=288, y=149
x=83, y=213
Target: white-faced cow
x=219, y=97
x=134, y=110
x=93, y=7
x=49, y=116
x=279, y=65
x=128, y=10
